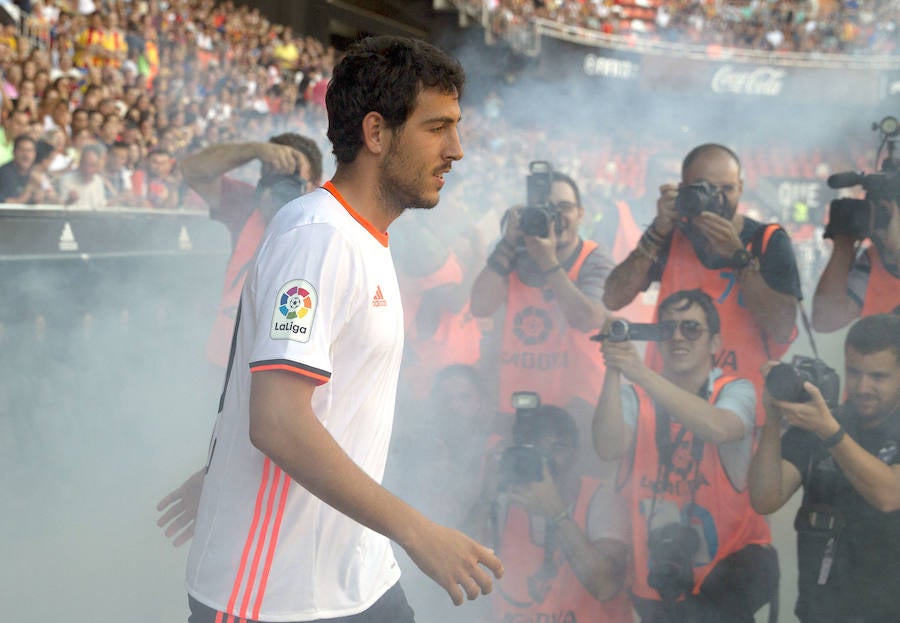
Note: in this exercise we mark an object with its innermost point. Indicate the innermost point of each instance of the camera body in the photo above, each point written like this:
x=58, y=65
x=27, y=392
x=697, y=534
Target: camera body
x=698, y=197
x=785, y=381
x=859, y=217
x=522, y=463
x=622, y=330
x=670, y=563
x=538, y=215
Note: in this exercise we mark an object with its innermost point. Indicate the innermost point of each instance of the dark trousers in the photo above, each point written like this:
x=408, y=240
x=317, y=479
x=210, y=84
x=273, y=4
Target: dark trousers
x=390, y=608
x=735, y=589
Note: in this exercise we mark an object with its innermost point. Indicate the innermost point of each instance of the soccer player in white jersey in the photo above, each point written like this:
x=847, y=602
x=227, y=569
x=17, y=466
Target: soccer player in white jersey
x=293, y=524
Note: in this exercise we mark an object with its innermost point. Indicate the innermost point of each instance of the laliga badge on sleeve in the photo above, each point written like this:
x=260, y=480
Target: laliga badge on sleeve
x=295, y=308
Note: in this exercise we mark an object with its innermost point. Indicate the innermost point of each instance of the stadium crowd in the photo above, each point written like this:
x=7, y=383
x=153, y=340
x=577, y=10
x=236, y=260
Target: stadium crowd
x=834, y=26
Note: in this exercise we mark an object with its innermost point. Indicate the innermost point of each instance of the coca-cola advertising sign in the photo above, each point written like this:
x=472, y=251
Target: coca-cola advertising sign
x=765, y=81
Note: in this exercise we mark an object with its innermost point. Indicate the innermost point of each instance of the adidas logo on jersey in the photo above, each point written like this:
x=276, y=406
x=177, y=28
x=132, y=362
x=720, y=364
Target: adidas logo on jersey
x=378, y=300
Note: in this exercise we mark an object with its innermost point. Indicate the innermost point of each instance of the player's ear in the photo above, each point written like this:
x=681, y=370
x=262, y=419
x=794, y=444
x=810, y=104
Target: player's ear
x=375, y=133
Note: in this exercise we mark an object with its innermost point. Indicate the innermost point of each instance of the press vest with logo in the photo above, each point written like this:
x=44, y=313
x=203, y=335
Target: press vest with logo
x=743, y=350
x=883, y=289
x=541, y=352
x=722, y=516
x=566, y=600
x=219, y=341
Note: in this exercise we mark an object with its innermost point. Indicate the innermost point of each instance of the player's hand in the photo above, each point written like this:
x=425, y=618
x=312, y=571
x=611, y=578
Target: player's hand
x=720, y=232
x=180, y=508
x=281, y=159
x=458, y=563
x=666, y=216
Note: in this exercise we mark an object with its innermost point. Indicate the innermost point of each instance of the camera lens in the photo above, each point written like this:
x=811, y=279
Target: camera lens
x=784, y=383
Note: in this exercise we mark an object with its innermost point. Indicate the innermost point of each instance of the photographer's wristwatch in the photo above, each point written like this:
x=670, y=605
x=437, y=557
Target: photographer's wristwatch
x=741, y=259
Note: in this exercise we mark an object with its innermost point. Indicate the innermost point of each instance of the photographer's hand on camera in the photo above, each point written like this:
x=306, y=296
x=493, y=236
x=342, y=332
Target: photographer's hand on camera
x=666, y=216
x=624, y=358
x=540, y=498
x=814, y=415
x=719, y=232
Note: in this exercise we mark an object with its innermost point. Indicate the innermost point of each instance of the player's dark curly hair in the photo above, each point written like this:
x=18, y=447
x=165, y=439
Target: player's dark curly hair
x=384, y=75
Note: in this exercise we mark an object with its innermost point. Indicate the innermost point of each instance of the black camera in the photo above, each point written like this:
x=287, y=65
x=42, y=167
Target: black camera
x=536, y=218
x=622, y=330
x=522, y=463
x=670, y=564
x=698, y=197
x=785, y=381
x=855, y=217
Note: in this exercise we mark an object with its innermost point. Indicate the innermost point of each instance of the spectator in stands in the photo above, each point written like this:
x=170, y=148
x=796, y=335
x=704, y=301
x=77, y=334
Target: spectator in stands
x=16, y=183
x=84, y=187
x=45, y=192
x=117, y=175
x=157, y=186
x=15, y=126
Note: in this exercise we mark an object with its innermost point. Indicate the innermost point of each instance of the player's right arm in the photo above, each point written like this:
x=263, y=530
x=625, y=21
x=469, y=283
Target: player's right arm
x=633, y=275
x=284, y=427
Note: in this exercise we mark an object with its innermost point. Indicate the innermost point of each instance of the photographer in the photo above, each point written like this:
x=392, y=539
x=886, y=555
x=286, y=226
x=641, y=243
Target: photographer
x=848, y=525
x=559, y=534
x=860, y=278
x=684, y=439
x=698, y=240
x=552, y=287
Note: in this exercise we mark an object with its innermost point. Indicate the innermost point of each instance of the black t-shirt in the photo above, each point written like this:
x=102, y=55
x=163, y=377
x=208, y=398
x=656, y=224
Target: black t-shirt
x=12, y=183
x=864, y=577
x=777, y=264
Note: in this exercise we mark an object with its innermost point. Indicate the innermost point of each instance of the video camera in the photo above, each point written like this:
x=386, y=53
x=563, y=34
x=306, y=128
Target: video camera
x=860, y=217
x=622, y=330
x=696, y=198
x=522, y=463
x=785, y=381
x=536, y=218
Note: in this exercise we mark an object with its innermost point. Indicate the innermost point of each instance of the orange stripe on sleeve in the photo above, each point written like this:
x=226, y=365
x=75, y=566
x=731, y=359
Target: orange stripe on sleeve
x=320, y=379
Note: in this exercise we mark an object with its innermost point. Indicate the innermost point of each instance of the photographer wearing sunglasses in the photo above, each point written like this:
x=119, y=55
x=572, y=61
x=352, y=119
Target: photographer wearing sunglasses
x=683, y=437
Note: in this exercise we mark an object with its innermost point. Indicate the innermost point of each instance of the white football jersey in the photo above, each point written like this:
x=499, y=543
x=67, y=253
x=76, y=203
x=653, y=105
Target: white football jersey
x=321, y=300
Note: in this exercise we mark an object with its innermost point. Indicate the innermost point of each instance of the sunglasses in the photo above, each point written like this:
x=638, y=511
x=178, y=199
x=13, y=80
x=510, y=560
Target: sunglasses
x=690, y=329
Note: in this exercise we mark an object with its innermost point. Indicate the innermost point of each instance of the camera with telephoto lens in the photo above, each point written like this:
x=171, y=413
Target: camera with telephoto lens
x=785, y=381
x=671, y=550
x=698, y=197
x=858, y=218
x=522, y=463
x=539, y=215
x=622, y=330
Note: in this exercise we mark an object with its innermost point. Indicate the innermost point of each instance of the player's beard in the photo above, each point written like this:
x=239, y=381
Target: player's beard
x=400, y=184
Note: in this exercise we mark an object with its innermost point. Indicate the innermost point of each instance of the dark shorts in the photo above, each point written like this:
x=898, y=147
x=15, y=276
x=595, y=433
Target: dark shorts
x=390, y=608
